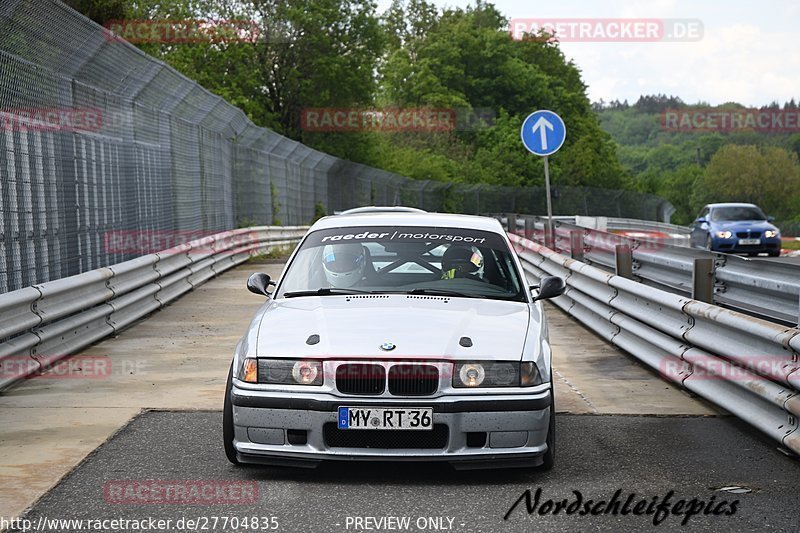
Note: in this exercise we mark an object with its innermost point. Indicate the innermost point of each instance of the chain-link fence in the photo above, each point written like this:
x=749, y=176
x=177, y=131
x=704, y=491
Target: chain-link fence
x=107, y=154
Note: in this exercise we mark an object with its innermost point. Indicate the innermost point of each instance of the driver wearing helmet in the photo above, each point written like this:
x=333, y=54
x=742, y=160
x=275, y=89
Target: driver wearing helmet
x=343, y=264
x=462, y=262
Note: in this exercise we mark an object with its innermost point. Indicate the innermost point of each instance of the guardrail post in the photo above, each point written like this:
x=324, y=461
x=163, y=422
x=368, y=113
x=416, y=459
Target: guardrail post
x=624, y=261
x=576, y=244
x=548, y=237
x=530, y=228
x=511, y=222
x=703, y=280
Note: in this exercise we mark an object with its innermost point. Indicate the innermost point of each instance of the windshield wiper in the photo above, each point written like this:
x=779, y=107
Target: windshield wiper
x=324, y=291
x=439, y=292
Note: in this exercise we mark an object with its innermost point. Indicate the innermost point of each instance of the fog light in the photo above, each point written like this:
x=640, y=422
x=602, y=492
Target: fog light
x=472, y=374
x=249, y=373
x=305, y=372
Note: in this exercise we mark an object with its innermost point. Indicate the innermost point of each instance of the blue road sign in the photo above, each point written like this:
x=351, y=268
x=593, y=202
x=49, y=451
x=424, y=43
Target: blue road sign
x=543, y=132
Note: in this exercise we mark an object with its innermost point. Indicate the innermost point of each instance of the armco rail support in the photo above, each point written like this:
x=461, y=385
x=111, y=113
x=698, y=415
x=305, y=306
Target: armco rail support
x=624, y=261
x=703, y=280
x=576, y=245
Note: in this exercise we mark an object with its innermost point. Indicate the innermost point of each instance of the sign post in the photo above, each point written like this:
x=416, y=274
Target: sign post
x=543, y=133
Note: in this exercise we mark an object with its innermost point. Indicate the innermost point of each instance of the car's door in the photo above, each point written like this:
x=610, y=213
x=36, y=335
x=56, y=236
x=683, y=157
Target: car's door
x=699, y=229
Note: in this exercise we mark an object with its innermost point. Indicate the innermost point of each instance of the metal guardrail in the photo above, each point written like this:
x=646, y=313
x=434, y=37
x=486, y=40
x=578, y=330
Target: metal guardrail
x=631, y=224
x=764, y=288
x=42, y=324
x=743, y=364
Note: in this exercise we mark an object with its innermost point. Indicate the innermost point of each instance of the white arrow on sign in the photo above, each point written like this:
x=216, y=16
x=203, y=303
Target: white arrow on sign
x=543, y=125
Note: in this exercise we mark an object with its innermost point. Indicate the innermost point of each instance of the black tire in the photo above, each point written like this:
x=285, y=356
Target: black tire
x=709, y=244
x=549, y=458
x=227, y=421
x=776, y=253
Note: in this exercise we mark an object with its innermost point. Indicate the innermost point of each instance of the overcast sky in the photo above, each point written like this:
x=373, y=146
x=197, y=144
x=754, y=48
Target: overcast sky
x=749, y=51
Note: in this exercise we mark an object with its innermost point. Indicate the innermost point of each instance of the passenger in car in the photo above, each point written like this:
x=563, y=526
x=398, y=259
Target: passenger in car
x=462, y=262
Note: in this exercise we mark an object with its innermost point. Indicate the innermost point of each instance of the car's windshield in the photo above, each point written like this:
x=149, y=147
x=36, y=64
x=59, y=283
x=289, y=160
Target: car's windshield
x=737, y=213
x=397, y=259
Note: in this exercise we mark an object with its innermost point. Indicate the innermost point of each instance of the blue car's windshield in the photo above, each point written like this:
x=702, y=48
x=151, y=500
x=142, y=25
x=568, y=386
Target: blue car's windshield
x=737, y=213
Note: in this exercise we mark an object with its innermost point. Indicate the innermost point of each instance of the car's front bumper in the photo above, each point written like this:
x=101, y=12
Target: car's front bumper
x=732, y=246
x=514, y=428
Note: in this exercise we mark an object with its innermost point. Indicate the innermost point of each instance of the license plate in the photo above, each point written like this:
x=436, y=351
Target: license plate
x=745, y=242
x=385, y=418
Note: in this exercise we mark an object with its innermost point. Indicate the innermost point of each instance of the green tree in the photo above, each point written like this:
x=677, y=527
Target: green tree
x=768, y=177
x=100, y=11
x=466, y=59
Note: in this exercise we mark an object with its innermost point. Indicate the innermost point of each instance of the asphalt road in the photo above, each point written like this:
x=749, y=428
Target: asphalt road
x=792, y=260
x=687, y=458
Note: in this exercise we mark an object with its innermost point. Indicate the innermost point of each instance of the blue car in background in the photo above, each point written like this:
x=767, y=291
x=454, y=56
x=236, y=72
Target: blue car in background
x=735, y=228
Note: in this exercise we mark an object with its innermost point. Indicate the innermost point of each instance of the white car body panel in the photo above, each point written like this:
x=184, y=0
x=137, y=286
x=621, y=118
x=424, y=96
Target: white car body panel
x=420, y=327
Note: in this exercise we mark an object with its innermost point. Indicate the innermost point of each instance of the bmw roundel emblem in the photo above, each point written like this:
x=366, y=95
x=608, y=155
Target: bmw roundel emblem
x=388, y=346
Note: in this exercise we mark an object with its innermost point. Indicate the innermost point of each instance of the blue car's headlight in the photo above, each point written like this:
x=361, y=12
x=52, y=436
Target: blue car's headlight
x=724, y=234
x=771, y=234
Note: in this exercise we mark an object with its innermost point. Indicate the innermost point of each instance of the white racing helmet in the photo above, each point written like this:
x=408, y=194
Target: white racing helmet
x=343, y=264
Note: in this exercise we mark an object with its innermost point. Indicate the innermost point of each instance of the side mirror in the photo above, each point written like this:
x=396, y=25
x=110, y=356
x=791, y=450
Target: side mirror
x=258, y=283
x=701, y=220
x=550, y=287
x=770, y=219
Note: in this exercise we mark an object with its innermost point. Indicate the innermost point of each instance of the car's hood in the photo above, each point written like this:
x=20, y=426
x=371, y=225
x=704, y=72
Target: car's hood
x=743, y=225
x=419, y=327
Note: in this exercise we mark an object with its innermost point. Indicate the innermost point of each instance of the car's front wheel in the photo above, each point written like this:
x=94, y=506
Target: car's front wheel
x=549, y=458
x=227, y=421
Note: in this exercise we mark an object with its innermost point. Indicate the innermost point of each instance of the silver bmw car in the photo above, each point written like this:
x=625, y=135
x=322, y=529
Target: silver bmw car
x=396, y=335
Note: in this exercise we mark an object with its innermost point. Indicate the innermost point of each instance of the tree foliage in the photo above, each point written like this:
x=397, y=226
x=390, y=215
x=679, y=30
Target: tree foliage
x=691, y=169
x=767, y=176
x=343, y=54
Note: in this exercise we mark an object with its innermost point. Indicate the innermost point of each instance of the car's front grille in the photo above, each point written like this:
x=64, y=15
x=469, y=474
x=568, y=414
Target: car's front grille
x=386, y=439
x=359, y=378
x=413, y=380
x=748, y=234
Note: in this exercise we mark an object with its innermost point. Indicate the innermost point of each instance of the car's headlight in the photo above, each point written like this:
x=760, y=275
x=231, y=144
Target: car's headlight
x=724, y=234
x=496, y=374
x=282, y=371
x=771, y=234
